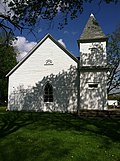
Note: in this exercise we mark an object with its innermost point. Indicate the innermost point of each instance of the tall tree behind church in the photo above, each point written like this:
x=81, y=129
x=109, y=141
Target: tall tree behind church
x=114, y=62
x=7, y=62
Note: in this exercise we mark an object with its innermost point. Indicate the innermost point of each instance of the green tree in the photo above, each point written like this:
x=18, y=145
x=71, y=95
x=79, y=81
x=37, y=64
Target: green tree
x=114, y=97
x=7, y=62
x=22, y=13
x=114, y=61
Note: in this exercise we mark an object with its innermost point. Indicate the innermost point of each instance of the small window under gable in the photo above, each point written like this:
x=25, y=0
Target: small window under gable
x=48, y=93
x=48, y=62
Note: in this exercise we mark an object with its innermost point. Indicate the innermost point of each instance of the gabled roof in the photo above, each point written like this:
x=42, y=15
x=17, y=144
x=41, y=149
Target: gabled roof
x=92, y=31
x=36, y=46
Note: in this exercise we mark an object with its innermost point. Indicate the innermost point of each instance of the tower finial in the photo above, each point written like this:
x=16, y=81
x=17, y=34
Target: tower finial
x=91, y=15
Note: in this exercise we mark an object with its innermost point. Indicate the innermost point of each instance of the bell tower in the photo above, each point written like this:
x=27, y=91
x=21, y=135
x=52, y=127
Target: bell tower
x=93, y=62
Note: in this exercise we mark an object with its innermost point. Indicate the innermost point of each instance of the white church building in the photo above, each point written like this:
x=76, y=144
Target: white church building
x=50, y=78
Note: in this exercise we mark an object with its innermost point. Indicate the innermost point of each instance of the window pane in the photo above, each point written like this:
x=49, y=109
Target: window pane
x=45, y=99
x=48, y=93
x=50, y=99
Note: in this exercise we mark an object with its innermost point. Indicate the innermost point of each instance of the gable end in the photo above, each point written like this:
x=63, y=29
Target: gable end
x=36, y=46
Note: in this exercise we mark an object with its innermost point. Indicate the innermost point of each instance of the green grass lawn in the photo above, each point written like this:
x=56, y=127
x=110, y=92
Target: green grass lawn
x=57, y=137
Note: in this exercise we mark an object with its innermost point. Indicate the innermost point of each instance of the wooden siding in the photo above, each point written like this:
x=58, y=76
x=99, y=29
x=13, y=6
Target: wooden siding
x=30, y=77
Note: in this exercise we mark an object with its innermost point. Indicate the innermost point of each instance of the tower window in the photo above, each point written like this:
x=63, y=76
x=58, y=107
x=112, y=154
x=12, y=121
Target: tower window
x=93, y=85
x=48, y=93
x=94, y=50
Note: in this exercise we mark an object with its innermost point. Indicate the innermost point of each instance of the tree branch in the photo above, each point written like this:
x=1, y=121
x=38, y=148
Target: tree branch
x=7, y=18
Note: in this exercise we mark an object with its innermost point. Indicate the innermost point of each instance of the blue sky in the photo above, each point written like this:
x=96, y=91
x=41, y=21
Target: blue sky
x=107, y=15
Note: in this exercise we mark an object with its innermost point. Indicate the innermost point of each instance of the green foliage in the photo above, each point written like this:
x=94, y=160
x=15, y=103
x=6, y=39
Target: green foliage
x=29, y=12
x=113, y=52
x=7, y=62
x=114, y=97
x=7, y=59
x=58, y=137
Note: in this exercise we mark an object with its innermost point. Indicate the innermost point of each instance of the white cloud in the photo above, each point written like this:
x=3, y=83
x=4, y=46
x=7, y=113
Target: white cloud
x=61, y=41
x=40, y=30
x=66, y=32
x=58, y=7
x=74, y=33
x=61, y=4
x=4, y=6
x=23, y=46
x=118, y=69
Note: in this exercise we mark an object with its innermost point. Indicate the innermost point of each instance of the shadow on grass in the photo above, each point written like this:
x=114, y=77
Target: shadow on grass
x=45, y=151
x=37, y=138
x=12, y=121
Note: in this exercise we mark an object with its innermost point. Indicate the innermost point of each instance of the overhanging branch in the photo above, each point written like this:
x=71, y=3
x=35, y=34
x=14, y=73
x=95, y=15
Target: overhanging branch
x=8, y=19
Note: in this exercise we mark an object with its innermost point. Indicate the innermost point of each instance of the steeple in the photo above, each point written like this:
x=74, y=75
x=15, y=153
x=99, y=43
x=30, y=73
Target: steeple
x=92, y=31
x=93, y=71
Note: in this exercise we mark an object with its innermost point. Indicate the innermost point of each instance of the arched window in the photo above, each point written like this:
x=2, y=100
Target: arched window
x=94, y=50
x=48, y=93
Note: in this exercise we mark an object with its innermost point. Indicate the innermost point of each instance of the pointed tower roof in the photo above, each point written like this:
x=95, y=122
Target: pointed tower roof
x=92, y=31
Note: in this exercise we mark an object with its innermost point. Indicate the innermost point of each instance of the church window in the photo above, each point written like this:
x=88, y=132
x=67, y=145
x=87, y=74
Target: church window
x=48, y=93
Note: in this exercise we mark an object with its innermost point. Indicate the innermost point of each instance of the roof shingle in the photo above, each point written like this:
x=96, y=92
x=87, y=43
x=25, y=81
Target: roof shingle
x=92, y=30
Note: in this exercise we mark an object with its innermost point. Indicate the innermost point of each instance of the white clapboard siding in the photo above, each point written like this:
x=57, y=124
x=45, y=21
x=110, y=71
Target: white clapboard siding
x=93, y=73
x=34, y=69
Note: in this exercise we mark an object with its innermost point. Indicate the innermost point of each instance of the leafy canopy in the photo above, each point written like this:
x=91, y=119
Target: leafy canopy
x=7, y=62
x=114, y=61
x=26, y=13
